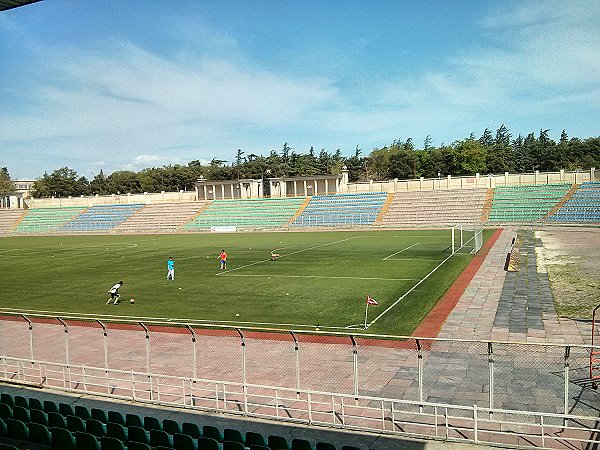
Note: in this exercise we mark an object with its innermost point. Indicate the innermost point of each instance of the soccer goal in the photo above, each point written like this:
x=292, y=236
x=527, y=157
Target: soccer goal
x=467, y=238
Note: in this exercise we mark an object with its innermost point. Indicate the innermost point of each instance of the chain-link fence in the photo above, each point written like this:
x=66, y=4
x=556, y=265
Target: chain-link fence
x=547, y=378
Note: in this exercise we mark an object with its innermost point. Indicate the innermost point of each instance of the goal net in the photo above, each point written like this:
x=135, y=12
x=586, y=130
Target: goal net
x=466, y=238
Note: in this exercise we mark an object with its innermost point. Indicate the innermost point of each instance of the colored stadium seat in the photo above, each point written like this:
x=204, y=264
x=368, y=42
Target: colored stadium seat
x=6, y=399
x=212, y=432
x=99, y=414
x=233, y=436
x=21, y=401
x=205, y=443
x=86, y=441
x=5, y=411
x=152, y=423
x=109, y=443
x=254, y=439
x=50, y=406
x=324, y=446
x=118, y=431
x=2, y=428
x=138, y=434
x=230, y=445
x=160, y=437
x=301, y=444
x=20, y=413
x=75, y=423
x=82, y=412
x=184, y=442
x=38, y=416
x=16, y=429
x=131, y=445
x=191, y=429
x=62, y=439
x=40, y=434
x=56, y=420
x=95, y=427
x=171, y=426
x=34, y=403
x=65, y=409
x=116, y=417
x=341, y=210
x=134, y=419
x=277, y=443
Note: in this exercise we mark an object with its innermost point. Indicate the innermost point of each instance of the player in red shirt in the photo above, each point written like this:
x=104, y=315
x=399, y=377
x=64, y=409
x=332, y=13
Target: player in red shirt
x=223, y=258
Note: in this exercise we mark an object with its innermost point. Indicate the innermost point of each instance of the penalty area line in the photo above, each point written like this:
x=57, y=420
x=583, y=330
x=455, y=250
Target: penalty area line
x=410, y=246
x=408, y=292
x=323, y=276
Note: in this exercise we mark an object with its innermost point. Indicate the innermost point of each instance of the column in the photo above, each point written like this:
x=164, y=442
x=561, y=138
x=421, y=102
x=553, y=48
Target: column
x=326, y=186
x=305, y=190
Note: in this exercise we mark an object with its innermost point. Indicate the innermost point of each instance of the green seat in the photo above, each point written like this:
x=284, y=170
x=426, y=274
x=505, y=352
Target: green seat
x=137, y=446
x=184, y=442
x=171, y=426
x=212, y=432
x=7, y=399
x=95, y=427
x=5, y=411
x=65, y=409
x=82, y=411
x=255, y=439
x=118, y=431
x=34, y=403
x=301, y=444
x=50, y=406
x=206, y=443
x=86, y=441
x=21, y=413
x=55, y=420
x=191, y=429
x=259, y=447
x=39, y=434
x=62, y=439
x=232, y=435
x=350, y=447
x=152, y=423
x=116, y=417
x=138, y=434
x=16, y=429
x=160, y=437
x=109, y=443
x=324, y=446
x=99, y=414
x=21, y=401
x=231, y=445
x=2, y=428
x=75, y=423
x=134, y=419
x=277, y=443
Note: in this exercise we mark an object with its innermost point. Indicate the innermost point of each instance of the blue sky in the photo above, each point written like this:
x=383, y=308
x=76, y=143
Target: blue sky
x=93, y=84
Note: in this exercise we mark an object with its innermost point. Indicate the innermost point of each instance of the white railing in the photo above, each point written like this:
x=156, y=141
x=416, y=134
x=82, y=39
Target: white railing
x=365, y=413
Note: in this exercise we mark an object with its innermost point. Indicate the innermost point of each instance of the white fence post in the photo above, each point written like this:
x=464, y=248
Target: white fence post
x=297, y=364
x=190, y=329
x=66, y=339
x=30, y=337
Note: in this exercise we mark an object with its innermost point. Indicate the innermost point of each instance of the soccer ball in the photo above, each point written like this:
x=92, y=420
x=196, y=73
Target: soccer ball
x=132, y=301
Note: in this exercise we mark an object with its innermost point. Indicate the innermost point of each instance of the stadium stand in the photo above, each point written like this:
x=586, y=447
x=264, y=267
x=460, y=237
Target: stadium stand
x=435, y=207
x=101, y=218
x=341, y=209
x=582, y=207
x=46, y=220
x=161, y=217
x=62, y=427
x=526, y=203
x=247, y=213
x=8, y=219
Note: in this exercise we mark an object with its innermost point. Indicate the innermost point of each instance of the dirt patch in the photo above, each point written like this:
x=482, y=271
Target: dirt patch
x=572, y=259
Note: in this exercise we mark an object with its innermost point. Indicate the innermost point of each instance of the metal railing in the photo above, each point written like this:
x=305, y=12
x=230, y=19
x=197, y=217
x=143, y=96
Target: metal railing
x=365, y=413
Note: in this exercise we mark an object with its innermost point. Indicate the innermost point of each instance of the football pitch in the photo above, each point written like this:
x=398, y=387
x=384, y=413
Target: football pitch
x=320, y=280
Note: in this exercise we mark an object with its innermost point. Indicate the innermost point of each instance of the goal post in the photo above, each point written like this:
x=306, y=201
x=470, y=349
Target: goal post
x=466, y=238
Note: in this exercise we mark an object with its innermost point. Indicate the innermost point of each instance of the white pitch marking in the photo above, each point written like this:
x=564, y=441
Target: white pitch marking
x=408, y=292
x=321, y=276
x=410, y=246
x=288, y=254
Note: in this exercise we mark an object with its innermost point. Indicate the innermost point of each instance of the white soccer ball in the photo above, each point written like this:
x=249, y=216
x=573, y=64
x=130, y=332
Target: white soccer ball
x=132, y=301
x=237, y=314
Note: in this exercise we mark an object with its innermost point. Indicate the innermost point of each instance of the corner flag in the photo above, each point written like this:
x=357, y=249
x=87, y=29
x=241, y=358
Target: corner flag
x=370, y=301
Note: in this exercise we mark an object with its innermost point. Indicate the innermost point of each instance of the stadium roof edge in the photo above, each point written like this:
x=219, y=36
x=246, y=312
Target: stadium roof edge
x=10, y=4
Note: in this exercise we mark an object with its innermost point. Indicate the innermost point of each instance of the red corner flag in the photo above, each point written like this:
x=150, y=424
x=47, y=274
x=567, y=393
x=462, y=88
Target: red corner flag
x=371, y=301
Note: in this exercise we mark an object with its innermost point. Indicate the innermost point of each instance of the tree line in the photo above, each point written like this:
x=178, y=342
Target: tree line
x=491, y=153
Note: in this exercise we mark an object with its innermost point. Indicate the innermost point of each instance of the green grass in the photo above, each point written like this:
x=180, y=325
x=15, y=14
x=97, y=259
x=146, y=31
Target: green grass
x=321, y=279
